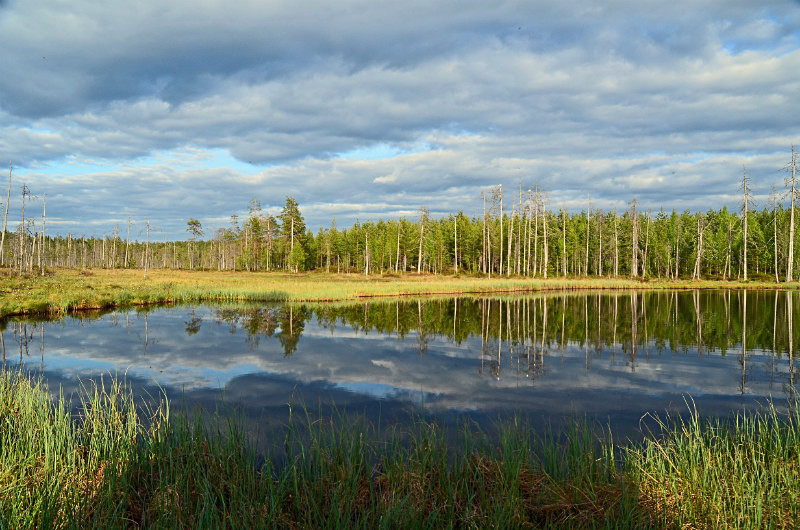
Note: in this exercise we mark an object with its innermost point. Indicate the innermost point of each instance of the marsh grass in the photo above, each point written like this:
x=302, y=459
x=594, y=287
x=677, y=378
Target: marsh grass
x=101, y=461
x=741, y=473
x=67, y=290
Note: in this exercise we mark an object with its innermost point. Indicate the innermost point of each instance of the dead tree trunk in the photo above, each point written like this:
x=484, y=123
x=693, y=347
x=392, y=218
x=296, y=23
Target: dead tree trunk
x=677, y=246
x=586, y=261
x=646, y=245
x=5, y=215
x=423, y=216
x=745, y=194
x=545, y=248
x=509, y=263
x=455, y=244
x=536, y=233
x=564, y=242
x=699, y=257
x=41, y=246
x=775, y=234
x=600, y=243
x=147, y=248
x=616, y=245
x=635, y=240
x=501, y=229
x=790, y=257
x=127, y=243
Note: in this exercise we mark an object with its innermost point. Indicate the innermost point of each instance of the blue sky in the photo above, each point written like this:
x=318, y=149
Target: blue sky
x=167, y=111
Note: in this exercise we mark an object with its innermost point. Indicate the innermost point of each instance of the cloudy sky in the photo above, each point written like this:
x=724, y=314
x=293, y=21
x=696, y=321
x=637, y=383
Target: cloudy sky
x=368, y=109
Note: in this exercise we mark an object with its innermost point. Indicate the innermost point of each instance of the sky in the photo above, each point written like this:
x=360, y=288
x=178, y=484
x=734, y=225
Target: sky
x=165, y=111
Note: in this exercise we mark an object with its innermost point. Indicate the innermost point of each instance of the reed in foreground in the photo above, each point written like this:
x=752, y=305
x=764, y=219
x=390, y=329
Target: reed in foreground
x=105, y=463
x=741, y=473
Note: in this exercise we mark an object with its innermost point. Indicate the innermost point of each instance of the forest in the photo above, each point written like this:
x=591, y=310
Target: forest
x=518, y=233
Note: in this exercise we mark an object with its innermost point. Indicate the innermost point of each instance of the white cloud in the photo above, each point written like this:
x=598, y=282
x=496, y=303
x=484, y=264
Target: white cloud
x=396, y=104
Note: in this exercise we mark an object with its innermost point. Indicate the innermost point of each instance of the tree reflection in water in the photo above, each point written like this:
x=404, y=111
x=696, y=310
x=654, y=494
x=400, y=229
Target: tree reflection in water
x=518, y=334
x=555, y=345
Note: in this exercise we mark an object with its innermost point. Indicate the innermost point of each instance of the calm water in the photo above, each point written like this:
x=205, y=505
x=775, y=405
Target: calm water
x=610, y=357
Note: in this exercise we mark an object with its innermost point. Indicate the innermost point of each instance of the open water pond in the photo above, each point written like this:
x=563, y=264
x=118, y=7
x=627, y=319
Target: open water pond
x=610, y=357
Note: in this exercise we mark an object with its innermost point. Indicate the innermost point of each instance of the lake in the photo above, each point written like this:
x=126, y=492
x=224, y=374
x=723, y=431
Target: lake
x=611, y=357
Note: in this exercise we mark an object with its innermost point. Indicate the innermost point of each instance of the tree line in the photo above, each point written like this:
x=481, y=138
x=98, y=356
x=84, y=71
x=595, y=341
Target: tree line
x=518, y=233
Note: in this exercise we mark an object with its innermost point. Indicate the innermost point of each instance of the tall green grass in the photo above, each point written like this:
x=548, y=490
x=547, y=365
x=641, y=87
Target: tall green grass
x=741, y=473
x=101, y=461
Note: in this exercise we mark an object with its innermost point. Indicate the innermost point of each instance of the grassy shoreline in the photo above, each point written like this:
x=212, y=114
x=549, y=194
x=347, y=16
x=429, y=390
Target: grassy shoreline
x=69, y=290
x=115, y=465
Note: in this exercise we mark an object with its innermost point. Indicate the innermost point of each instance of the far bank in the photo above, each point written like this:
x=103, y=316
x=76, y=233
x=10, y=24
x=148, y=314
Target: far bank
x=66, y=290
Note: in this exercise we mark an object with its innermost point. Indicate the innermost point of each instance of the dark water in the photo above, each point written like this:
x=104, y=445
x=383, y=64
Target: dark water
x=609, y=357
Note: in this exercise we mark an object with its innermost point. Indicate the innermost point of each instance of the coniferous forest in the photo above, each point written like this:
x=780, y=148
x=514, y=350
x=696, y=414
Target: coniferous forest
x=518, y=233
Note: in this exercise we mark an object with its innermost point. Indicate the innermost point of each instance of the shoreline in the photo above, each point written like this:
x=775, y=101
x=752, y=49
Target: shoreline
x=66, y=291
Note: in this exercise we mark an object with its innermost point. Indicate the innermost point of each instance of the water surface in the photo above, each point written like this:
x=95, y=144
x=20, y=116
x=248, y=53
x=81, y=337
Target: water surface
x=611, y=357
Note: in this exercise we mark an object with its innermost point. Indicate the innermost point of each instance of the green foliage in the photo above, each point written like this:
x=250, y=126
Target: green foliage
x=297, y=258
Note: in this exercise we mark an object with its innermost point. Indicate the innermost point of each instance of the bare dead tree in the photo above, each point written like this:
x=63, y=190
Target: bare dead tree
x=423, y=217
x=397, y=257
x=790, y=256
x=586, y=261
x=455, y=244
x=5, y=215
x=497, y=203
x=646, y=243
x=677, y=246
x=23, y=231
x=147, y=248
x=564, y=241
x=518, y=252
x=127, y=242
x=500, y=271
x=536, y=232
x=509, y=262
x=367, y=255
x=42, y=235
x=526, y=240
x=699, y=257
x=774, y=200
x=634, y=239
x=616, y=245
x=746, y=198
x=544, y=228
x=599, y=214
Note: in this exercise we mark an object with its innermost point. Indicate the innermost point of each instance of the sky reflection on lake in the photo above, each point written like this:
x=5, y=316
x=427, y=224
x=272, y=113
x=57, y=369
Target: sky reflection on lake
x=609, y=356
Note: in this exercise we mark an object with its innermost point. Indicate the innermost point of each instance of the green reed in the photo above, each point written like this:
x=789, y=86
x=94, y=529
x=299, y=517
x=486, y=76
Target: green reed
x=99, y=460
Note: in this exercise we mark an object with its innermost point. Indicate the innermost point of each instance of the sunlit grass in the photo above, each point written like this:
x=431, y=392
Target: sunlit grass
x=742, y=473
x=106, y=463
x=69, y=290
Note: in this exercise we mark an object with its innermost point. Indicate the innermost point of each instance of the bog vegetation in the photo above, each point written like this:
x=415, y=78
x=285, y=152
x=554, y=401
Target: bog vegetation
x=99, y=462
x=519, y=232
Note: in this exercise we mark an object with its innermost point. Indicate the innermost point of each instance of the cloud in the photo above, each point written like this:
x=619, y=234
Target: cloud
x=620, y=98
